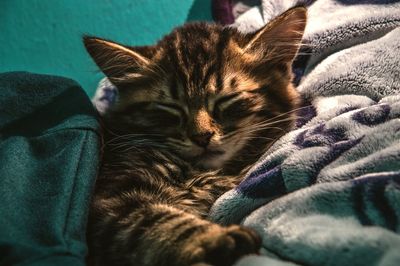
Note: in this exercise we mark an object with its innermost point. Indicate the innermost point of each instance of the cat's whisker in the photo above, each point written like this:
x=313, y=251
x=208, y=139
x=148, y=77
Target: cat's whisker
x=251, y=138
x=277, y=116
x=250, y=131
x=125, y=141
x=136, y=143
x=132, y=137
x=250, y=126
x=178, y=142
x=183, y=145
x=260, y=126
x=290, y=112
x=271, y=121
x=268, y=123
x=126, y=146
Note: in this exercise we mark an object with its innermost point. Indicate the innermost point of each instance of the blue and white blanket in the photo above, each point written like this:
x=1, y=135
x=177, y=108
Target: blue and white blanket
x=328, y=193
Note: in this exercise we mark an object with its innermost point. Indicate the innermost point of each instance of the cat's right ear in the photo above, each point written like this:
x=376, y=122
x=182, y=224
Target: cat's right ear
x=119, y=63
x=280, y=39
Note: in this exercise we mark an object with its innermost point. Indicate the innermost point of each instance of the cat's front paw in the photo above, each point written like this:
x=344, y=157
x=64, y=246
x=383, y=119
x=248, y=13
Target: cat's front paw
x=224, y=245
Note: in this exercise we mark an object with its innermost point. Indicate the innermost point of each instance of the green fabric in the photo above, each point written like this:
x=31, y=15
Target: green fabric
x=49, y=152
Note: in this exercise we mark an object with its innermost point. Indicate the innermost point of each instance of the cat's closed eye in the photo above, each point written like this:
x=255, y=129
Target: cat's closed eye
x=231, y=107
x=170, y=107
x=170, y=112
x=223, y=102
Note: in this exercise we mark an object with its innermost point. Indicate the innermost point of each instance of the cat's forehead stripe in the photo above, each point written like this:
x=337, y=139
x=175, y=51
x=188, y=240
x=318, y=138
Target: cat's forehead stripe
x=220, y=53
x=173, y=89
x=198, y=60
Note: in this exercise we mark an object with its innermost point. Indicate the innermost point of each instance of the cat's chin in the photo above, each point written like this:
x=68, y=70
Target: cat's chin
x=205, y=159
x=210, y=160
x=209, y=164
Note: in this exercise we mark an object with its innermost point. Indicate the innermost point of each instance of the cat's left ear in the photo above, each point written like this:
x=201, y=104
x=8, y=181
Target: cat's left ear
x=121, y=64
x=280, y=39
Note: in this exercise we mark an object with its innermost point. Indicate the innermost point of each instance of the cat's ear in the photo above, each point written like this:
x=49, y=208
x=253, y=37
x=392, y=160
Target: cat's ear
x=280, y=39
x=118, y=62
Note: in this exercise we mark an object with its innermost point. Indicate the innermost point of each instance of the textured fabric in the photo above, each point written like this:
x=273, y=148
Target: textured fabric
x=226, y=11
x=49, y=149
x=222, y=11
x=328, y=192
x=106, y=94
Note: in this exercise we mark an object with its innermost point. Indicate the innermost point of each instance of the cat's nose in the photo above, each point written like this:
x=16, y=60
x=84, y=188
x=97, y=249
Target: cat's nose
x=202, y=139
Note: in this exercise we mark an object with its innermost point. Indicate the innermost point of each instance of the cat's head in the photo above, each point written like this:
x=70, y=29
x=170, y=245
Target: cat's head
x=208, y=92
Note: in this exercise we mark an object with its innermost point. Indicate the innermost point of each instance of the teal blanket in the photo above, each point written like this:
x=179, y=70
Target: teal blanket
x=49, y=152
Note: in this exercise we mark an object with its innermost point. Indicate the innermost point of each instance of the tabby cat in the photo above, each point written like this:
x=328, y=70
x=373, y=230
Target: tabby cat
x=192, y=114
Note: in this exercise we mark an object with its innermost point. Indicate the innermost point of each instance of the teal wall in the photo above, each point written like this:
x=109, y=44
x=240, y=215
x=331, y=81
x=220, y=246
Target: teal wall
x=44, y=36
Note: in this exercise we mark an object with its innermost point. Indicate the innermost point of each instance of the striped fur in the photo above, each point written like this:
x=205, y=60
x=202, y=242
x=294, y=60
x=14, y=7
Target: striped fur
x=193, y=112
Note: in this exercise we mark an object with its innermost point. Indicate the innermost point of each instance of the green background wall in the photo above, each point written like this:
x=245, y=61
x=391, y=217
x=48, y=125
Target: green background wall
x=44, y=36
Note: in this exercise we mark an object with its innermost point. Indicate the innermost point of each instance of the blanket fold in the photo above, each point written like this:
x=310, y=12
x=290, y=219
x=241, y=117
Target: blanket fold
x=49, y=148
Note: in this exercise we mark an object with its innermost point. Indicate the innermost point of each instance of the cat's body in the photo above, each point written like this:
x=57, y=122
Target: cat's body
x=149, y=206
x=193, y=112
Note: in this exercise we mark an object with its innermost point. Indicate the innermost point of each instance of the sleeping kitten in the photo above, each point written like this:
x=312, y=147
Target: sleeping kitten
x=193, y=113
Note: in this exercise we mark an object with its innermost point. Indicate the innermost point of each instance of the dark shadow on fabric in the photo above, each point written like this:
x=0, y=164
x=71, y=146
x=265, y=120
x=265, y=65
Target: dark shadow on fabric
x=64, y=106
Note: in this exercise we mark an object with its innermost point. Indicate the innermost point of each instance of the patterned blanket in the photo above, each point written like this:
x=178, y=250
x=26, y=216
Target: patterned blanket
x=328, y=193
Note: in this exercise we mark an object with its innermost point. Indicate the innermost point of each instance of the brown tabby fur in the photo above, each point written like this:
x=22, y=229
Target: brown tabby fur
x=193, y=112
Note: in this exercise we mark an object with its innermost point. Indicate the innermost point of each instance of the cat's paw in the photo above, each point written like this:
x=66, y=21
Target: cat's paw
x=224, y=245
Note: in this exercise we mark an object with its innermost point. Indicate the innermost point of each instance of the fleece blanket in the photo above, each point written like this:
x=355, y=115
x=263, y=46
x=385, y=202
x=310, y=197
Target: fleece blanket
x=49, y=154
x=328, y=192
